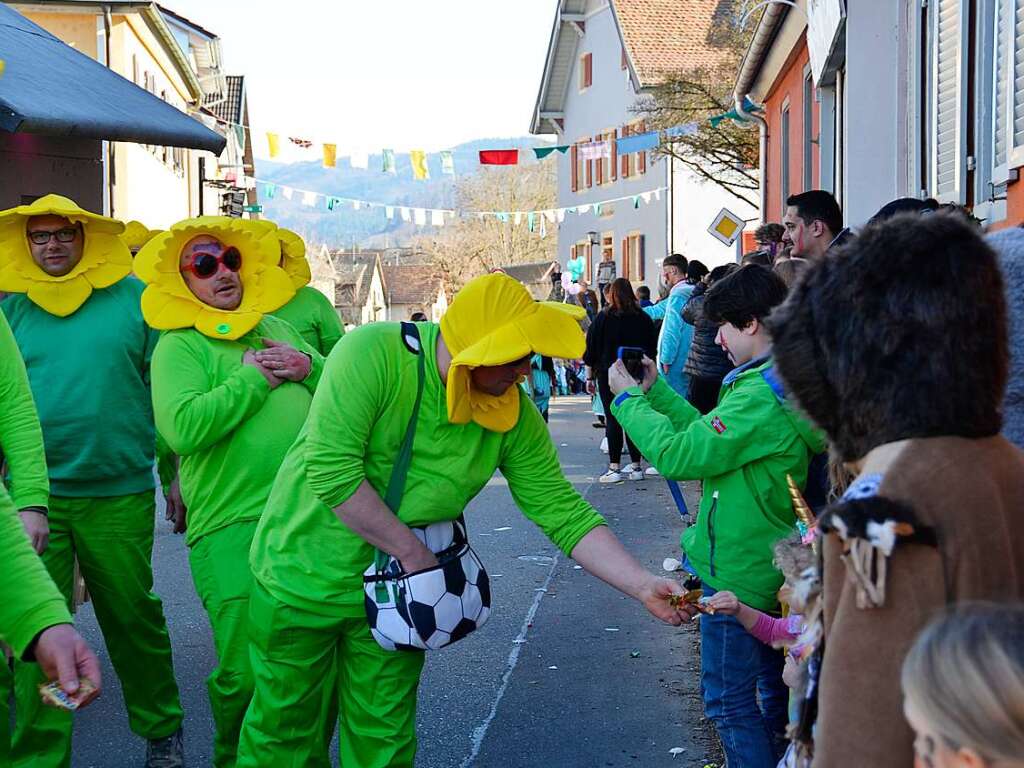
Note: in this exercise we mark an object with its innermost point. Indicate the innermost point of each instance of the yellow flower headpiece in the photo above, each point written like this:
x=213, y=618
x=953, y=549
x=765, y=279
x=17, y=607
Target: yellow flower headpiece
x=493, y=320
x=105, y=258
x=168, y=303
x=136, y=234
x=293, y=253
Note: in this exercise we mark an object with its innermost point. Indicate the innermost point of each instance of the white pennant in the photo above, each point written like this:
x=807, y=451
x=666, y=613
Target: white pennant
x=356, y=205
x=436, y=218
x=420, y=216
x=405, y=213
x=583, y=209
x=389, y=211
x=286, y=193
x=646, y=196
x=550, y=216
x=560, y=215
x=518, y=218
x=309, y=198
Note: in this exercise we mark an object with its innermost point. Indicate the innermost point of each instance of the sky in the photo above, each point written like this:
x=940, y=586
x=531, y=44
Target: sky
x=369, y=74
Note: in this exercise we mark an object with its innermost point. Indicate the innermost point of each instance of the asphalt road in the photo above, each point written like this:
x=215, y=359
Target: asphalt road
x=567, y=672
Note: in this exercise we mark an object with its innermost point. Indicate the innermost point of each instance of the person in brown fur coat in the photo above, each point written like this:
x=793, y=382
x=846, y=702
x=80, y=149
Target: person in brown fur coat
x=896, y=345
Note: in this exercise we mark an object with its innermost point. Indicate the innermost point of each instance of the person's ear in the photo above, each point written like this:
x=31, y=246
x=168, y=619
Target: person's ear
x=752, y=327
x=818, y=227
x=966, y=757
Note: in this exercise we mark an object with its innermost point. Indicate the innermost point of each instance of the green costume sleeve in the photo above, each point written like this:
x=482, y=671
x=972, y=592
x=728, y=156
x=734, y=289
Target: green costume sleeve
x=736, y=433
x=331, y=328
x=31, y=602
x=344, y=411
x=21, y=437
x=166, y=463
x=530, y=464
x=189, y=417
x=668, y=402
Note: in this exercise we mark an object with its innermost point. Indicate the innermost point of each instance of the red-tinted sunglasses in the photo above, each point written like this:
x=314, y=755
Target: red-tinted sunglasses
x=207, y=258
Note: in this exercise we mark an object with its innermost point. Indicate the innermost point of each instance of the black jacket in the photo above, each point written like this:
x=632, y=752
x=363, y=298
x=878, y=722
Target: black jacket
x=611, y=330
x=706, y=360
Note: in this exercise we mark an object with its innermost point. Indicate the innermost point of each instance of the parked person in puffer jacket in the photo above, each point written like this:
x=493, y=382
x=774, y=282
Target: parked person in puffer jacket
x=707, y=364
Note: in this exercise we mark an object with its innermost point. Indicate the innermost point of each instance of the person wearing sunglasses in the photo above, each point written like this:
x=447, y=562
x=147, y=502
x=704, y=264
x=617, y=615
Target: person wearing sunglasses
x=231, y=388
x=75, y=315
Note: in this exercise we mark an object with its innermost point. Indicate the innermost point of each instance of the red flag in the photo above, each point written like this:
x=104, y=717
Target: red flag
x=499, y=157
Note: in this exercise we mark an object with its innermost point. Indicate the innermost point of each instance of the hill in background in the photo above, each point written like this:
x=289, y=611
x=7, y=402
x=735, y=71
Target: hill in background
x=370, y=227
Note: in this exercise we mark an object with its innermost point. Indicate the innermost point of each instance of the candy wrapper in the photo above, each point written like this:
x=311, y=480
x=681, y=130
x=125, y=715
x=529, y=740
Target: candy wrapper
x=55, y=696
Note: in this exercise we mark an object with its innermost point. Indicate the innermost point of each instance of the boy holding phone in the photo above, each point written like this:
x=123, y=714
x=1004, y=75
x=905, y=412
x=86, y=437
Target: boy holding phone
x=742, y=450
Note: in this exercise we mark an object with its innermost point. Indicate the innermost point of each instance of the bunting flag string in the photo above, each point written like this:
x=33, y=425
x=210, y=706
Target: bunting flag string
x=536, y=220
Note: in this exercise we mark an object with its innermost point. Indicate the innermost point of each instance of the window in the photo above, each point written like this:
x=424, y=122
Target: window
x=586, y=71
x=784, y=153
x=574, y=164
x=626, y=160
x=808, y=133
x=947, y=113
x=633, y=257
x=641, y=157
x=1008, y=82
x=135, y=69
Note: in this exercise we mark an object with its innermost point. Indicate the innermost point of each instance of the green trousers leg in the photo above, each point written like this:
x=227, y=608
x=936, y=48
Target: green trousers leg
x=292, y=652
x=220, y=570
x=6, y=691
x=113, y=539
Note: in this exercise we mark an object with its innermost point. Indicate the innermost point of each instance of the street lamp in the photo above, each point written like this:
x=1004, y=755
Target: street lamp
x=594, y=238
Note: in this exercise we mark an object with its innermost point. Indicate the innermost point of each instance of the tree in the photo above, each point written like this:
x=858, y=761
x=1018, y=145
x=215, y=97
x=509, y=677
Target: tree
x=727, y=153
x=473, y=245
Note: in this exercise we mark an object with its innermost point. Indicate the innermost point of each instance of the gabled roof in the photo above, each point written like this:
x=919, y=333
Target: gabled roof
x=352, y=282
x=50, y=88
x=412, y=284
x=659, y=36
x=536, y=276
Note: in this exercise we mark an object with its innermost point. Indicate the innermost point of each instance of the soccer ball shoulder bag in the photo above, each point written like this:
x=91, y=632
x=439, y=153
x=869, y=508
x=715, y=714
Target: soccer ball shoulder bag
x=432, y=608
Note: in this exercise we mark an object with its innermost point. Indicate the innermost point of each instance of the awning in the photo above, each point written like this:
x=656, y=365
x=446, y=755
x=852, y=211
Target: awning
x=49, y=88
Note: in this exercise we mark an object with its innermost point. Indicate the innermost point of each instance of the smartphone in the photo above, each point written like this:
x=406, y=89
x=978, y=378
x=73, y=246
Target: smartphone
x=633, y=359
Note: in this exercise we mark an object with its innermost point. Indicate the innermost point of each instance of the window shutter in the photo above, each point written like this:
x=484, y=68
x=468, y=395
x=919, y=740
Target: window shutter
x=1018, y=77
x=625, y=259
x=625, y=158
x=574, y=161
x=599, y=170
x=590, y=261
x=614, y=165
x=641, y=157
x=590, y=173
x=949, y=101
x=1003, y=89
x=588, y=70
x=642, y=257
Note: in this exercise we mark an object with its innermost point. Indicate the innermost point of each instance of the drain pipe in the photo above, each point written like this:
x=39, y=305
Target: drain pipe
x=774, y=13
x=108, y=25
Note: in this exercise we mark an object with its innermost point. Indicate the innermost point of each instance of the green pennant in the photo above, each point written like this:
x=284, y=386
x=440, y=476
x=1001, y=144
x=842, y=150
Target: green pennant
x=542, y=152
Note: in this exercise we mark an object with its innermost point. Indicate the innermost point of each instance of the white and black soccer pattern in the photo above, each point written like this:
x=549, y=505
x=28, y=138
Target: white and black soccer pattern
x=435, y=607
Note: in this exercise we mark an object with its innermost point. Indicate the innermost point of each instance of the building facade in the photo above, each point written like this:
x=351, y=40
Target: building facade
x=902, y=98
x=602, y=57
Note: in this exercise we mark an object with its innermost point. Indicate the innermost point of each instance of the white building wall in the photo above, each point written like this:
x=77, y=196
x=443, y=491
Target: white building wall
x=695, y=204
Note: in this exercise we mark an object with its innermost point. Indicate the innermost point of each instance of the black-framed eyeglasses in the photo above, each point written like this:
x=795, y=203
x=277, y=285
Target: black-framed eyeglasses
x=63, y=235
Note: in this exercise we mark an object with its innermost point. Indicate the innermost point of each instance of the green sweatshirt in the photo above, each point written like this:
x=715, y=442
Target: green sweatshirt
x=743, y=451
x=224, y=421
x=21, y=438
x=89, y=374
x=315, y=318
x=31, y=602
x=306, y=557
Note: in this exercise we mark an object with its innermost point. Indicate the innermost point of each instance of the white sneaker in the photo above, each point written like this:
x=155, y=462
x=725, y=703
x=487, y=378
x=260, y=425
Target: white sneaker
x=611, y=476
x=604, y=445
x=632, y=471
x=652, y=472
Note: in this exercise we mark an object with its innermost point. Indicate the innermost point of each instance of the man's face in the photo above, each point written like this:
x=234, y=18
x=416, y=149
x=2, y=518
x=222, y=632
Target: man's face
x=672, y=275
x=53, y=255
x=496, y=380
x=222, y=289
x=804, y=238
x=737, y=343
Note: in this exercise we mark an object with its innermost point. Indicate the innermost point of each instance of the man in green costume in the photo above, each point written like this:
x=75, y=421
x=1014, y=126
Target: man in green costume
x=74, y=312
x=33, y=614
x=325, y=516
x=311, y=314
x=229, y=406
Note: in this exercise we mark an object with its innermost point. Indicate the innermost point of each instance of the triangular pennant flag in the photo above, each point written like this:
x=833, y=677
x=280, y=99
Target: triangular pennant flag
x=581, y=209
x=404, y=213
x=436, y=218
x=499, y=157
x=518, y=218
x=531, y=221
x=388, y=162
x=502, y=217
x=646, y=196
x=356, y=204
x=657, y=194
x=447, y=163
x=359, y=160
x=330, y=155
x=286, y=193
x=597, y=209
x=273, y=145
x=268, y=190
x=542, y=152
x=550, y=216
x=420, y=172
x=331, y=202
x=304, y=143
x=636, y=201
x=389, y=211
x=309, y=198
x=560, y=215
x=419, y=215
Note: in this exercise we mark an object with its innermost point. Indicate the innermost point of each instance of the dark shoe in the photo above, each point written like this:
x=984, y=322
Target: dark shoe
x=168, y=752
x=599, y=424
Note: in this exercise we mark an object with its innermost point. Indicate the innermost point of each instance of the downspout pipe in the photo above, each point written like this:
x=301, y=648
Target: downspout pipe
x=108, y=25
x=774, y=13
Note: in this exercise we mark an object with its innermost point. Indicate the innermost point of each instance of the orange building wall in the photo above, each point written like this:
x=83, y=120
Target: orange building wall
x=1014, y=206
x=789, y=84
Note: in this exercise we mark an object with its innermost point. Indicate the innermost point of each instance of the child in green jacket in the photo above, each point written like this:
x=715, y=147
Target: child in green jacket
x=742, y=450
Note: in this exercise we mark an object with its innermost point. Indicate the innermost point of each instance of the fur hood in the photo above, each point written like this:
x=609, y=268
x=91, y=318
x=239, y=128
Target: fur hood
x=901, y=333
x=1009, y=246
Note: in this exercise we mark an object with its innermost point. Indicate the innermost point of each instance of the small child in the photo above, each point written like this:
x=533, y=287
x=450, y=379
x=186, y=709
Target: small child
x=542, y=378
x=963, y=688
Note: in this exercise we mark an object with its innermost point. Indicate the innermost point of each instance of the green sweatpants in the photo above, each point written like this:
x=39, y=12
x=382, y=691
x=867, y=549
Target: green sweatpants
x=292, y=653
x=113, y=539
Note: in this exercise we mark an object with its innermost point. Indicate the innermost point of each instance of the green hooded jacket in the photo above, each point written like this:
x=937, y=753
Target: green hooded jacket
x=742, y=450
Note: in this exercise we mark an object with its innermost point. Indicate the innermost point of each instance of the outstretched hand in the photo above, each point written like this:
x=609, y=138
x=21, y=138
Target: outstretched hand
x=658, y=596
x=64, y=657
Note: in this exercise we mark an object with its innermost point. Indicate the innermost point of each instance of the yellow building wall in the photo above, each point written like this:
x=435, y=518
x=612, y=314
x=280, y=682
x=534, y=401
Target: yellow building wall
x=76, y=29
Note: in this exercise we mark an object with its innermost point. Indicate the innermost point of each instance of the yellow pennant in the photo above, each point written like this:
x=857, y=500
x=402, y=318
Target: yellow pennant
x=418, y=158
x=273, y=144
x=330, y=155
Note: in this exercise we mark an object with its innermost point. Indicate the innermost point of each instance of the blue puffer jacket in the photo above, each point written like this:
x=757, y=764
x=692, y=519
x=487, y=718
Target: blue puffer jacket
x=706, y=360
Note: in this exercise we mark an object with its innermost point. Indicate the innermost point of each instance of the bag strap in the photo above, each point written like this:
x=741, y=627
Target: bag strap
x=396, y=485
